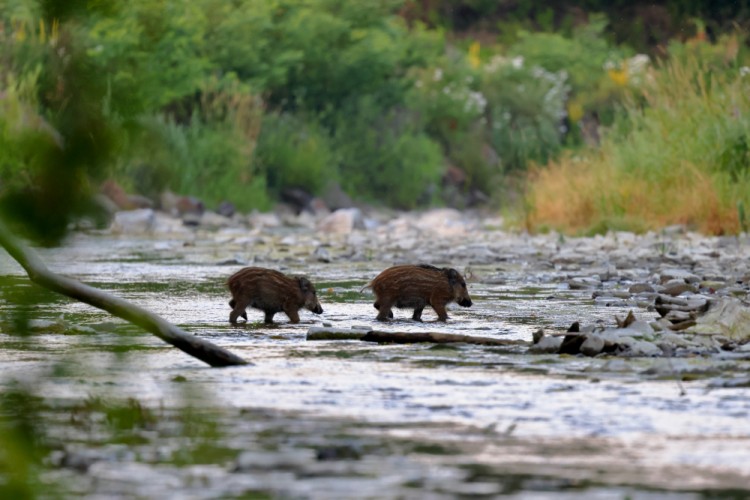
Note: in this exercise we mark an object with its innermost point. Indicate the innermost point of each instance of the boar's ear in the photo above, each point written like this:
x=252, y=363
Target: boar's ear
x=304, y=284
x=453, y=276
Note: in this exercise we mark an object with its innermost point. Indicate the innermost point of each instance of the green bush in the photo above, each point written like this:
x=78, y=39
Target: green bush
x=207, y=160
x=316, y=55
x=526, y=108
x=150, y=53
x=385, y=157
x=293, y=153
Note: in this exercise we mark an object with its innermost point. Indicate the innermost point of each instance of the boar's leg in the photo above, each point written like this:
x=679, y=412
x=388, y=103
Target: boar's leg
x=293, y=315
x=384, y=310
x=440, y=310
x=237, y=311
x=376, y=305
x=269, y=316
x=417, y=316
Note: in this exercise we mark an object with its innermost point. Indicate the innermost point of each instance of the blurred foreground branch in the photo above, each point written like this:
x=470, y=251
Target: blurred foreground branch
x=169, y=333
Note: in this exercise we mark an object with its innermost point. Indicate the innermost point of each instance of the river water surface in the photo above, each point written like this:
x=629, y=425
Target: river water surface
x=350, y=419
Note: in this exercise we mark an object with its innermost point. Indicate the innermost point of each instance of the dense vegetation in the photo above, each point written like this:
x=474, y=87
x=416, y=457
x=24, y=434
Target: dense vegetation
x=241, y=100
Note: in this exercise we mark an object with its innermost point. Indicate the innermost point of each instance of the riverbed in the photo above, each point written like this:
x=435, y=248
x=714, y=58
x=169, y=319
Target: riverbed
x=350, y=419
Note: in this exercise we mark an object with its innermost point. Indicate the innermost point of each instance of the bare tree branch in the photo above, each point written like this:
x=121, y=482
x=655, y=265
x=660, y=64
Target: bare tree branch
x=169, y=333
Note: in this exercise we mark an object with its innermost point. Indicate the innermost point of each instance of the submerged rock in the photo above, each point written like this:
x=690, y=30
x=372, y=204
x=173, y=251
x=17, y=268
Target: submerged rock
x=729, y=316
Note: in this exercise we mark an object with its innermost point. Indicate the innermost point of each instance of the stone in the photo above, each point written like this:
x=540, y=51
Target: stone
x=212, y=220
x=547, y=345
x=226, y=209
x=342, y=221
x=640, y=288
x=584, y=283
x=678, y=274
x=593, y=345
x=263, y=220
x=444, y=223
x=643, y=349
x=335, y=197
x=676, y=289
x=139, y=221
x=727, y=316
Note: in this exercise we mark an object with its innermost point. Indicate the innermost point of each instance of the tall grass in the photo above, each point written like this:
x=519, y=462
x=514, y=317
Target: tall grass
x=679, y=155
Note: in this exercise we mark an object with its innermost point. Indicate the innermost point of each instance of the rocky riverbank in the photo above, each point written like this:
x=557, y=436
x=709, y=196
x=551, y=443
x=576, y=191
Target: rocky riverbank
x=688, y=293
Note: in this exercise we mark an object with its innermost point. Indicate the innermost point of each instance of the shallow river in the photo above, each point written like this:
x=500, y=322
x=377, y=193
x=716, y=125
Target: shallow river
x=350, y=419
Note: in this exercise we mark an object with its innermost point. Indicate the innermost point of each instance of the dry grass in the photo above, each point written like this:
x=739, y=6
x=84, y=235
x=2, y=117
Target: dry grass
x=682, y=158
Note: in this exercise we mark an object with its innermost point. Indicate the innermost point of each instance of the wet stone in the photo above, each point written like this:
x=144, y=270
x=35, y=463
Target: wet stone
x=640, y=288
x=593, y=345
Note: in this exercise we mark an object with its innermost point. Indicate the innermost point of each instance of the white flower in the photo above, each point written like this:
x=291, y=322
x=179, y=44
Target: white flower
x=517, y=62
x=637, y=64
x=745, y=70
x=438, y=74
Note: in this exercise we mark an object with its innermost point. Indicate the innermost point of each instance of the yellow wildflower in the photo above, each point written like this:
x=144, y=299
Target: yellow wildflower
x=619, y=76
x=474, y=60
x=575, y=110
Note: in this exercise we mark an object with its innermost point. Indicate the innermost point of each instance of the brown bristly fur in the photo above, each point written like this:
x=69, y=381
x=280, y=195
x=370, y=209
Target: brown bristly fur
x=272, y=292
x=416, y=287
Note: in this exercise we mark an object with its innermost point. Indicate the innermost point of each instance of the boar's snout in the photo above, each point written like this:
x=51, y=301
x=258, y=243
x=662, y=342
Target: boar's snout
x=464, y=302
x=461, y=293
x=311, y=299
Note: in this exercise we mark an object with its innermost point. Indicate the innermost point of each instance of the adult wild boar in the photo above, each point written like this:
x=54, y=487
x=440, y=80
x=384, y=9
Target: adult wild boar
x=271, y=292
x=416, y=287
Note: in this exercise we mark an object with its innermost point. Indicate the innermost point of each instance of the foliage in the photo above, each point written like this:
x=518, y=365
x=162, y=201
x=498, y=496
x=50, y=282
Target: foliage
x=293, y=153
x=526, y=110
x=385, y=155
x=679, y=155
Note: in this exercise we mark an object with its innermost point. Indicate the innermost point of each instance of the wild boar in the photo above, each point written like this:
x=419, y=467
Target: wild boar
x=271, y=292
x=416, y=287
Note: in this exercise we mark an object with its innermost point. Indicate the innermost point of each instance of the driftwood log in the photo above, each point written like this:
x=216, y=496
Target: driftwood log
x=435, y=338
x=169, y=333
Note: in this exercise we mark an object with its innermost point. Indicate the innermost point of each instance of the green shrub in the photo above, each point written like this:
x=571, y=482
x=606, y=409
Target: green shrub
x=206, y=160
x=151, y=53
x=385, y=157
x=316, y=55
x=294, y=153
x=526, y=108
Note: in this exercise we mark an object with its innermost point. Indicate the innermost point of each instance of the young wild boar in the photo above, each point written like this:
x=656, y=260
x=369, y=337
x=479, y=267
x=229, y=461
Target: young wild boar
x=416, y=287
x=271, y=292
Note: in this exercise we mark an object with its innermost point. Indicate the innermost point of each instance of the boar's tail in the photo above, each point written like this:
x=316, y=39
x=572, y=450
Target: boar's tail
x=232, y=303
x=369, y=285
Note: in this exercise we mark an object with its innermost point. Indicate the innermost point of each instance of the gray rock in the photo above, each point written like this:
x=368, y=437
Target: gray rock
x=678, y=274
x=212, y=220
x=584, y=283
x=593, y=345
x=133, y=221
x=640, y=288
x=262, y=220
x=444, y=223
x=547, y=345
x=641, y=348
x=335, y=197
x=342, y=221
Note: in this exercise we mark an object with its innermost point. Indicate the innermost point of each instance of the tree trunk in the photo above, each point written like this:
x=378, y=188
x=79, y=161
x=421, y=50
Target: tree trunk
x=169, y=333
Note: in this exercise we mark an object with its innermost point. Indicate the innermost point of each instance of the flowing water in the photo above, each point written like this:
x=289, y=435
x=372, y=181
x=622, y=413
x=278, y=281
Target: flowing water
x=128, y=416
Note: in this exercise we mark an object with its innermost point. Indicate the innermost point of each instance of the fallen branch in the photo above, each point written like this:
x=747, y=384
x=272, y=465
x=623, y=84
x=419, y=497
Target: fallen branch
x=328, y=333
x=169, y=333
x=436, y=338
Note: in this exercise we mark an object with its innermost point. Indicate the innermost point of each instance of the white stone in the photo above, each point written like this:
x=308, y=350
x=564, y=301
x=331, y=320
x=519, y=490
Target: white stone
x=133, y=221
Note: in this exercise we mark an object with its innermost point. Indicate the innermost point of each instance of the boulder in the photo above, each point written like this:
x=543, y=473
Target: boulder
x=342, y=221
x=139, y=221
